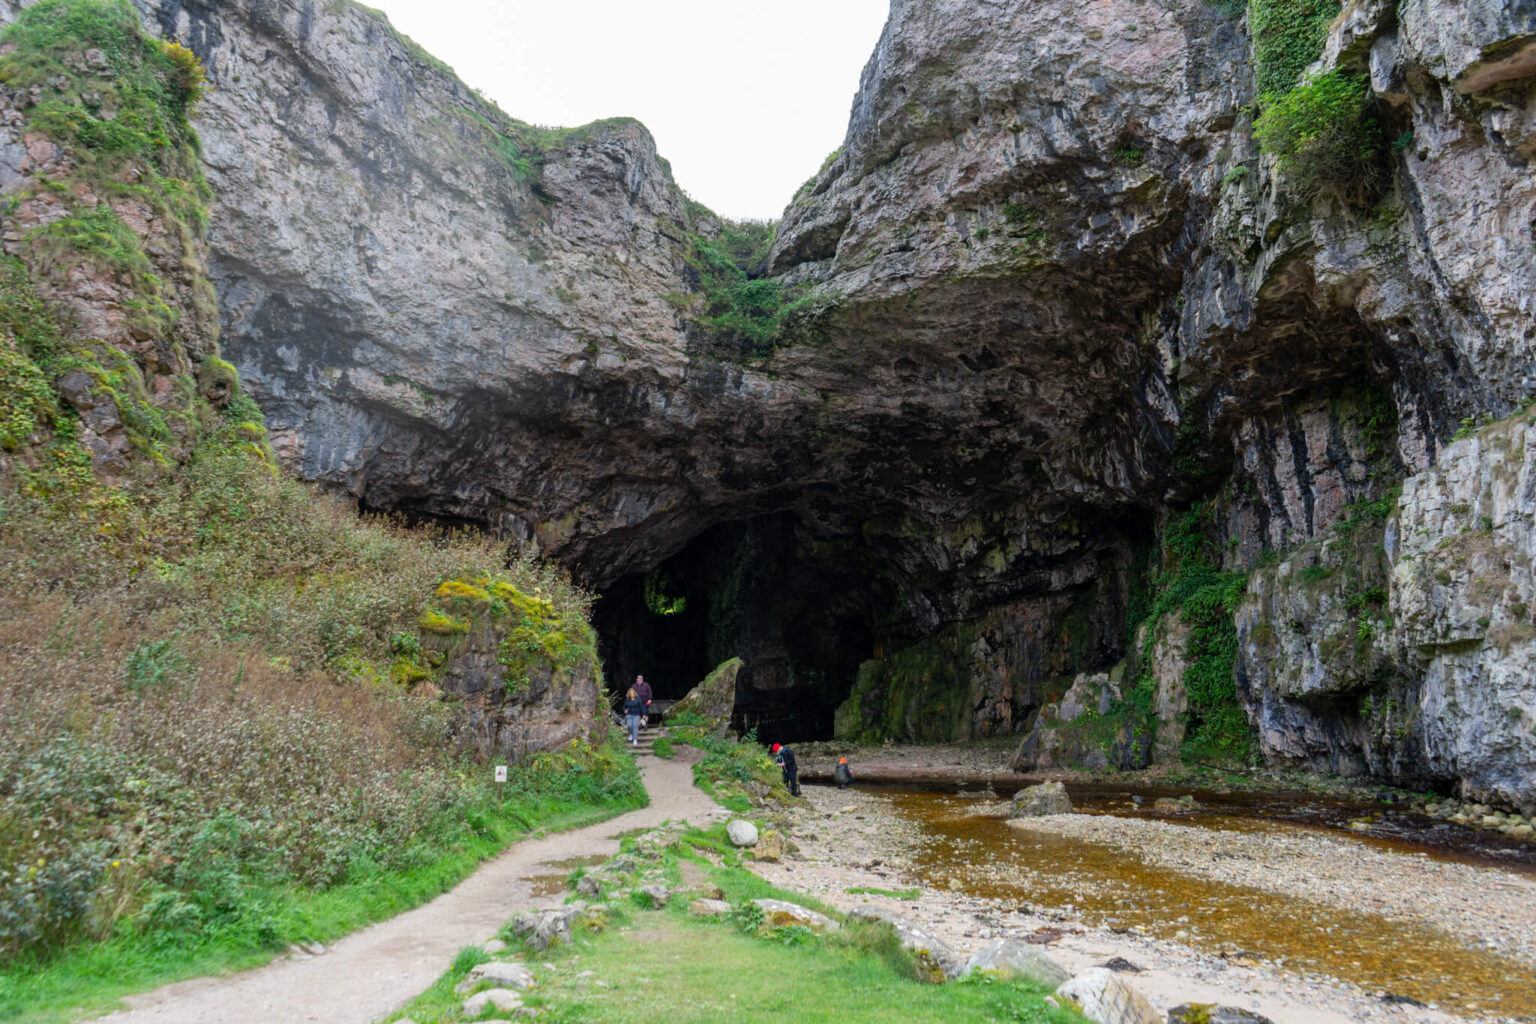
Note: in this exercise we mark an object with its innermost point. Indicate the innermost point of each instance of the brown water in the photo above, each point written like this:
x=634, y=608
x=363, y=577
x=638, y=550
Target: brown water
x=1110, y=889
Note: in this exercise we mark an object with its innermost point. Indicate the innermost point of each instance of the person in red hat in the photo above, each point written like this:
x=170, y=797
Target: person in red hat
x=785, y=758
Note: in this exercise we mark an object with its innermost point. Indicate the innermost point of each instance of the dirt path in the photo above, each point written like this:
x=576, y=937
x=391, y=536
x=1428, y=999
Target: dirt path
x=368, y=974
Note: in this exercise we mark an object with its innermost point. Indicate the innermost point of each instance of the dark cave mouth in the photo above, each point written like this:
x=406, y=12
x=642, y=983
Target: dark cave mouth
x=745, y=589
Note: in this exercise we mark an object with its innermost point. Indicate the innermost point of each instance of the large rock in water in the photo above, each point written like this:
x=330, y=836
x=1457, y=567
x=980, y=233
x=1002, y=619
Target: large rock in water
x=1038, y=801
x=714, y=699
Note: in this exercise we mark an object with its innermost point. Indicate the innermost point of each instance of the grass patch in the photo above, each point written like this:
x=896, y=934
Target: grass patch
x=641, y=969
x=663, y=748
x=737, y=773
x=895, y=894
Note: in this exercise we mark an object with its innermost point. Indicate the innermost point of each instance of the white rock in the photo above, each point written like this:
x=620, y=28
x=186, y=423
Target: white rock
x=1105, y=999
x=742, y=833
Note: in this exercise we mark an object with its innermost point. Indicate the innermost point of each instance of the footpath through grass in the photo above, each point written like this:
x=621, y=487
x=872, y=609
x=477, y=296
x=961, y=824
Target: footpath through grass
x=88, y=980
x=640, y=965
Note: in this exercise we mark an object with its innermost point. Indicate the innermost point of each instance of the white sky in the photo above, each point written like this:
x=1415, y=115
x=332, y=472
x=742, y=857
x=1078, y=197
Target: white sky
x=745, y=98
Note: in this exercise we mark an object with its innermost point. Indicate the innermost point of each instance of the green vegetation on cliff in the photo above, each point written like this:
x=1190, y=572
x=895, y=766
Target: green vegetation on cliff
x=1192, y=585
x=743, y=312
x=220, y=733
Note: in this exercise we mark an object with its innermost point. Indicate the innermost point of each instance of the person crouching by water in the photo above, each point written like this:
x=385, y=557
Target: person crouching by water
x=785, y=758
x=634, y=707
x=842, y=774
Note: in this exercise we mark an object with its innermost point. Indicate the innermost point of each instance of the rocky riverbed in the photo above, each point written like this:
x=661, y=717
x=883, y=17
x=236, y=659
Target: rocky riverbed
x=1289, y=922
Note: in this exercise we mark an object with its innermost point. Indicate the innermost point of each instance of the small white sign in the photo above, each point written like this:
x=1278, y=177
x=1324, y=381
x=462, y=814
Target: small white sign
x=501, y=773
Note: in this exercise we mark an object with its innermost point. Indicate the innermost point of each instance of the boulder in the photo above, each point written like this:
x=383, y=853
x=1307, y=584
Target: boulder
x=713, y=700
x=504, y=974
x=937, y=961
x=770, y=846
x=1106, y=999
x=500, y=998
x=1205, y=1013
x=656, y=896
x=709, y=908
x=742, y=833
x=1038, y=801
x=545, y=928
x=1012, y=958
x=781, y=914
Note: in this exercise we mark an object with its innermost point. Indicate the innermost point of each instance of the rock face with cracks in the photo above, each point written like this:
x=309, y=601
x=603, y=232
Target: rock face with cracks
x=1050, y=293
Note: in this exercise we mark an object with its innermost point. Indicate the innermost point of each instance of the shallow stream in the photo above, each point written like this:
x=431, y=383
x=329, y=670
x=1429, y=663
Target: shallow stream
x=1403, y=960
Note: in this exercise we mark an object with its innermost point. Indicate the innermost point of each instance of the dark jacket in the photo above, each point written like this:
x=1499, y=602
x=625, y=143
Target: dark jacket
x=643, y=691
x=787, y=759
x=634, y=707
x=842, y=774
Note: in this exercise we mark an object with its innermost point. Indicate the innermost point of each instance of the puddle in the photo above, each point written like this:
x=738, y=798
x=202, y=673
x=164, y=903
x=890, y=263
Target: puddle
x=552, y=883
x=1109, y=889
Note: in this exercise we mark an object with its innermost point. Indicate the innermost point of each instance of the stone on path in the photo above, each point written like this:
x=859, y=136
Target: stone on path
x=494, y=946
x=1013, y=958
x=936, y=959
x=709, y=908
x=1205, y=1013
x=1105, y=999
x=742, y=833
x=504, y=973
x=780, y=914
x=1038, y=801
x=499, y=998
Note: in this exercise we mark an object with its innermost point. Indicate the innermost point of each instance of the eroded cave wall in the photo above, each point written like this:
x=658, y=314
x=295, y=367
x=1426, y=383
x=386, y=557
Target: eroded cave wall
x=1055, y=299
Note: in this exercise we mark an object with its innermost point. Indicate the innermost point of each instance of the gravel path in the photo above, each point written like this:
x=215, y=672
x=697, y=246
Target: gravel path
x=368, y=974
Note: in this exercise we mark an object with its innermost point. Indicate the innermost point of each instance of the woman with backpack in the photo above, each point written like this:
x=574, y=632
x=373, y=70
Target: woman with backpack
x=634, y=707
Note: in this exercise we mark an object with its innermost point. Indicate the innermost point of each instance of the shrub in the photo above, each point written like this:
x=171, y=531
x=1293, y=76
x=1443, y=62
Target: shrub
x=1326, y=136
x=1288, y=35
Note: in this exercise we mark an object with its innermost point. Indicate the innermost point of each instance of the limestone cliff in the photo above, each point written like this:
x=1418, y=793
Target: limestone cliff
x=1051, y=300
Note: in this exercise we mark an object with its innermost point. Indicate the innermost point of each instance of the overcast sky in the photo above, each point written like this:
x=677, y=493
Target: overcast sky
x=744, y=98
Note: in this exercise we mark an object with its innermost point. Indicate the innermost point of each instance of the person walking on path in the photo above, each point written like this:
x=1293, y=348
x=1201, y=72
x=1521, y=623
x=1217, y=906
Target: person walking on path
x=633, y=709
x=786, y=761
x=643, y=691
x=842, y=774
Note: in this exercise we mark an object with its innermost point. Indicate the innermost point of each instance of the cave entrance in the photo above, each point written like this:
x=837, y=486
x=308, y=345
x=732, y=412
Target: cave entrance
x=795, y=609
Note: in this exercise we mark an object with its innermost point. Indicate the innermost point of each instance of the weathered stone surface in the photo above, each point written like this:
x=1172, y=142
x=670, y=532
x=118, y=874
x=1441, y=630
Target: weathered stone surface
x=935, y=958
x=715, y=698
x=498, y=998
x=1038, y=801
x=504, y=974
x=1408, y=650
x=1011, y=958
x=709, y=908
x=781, y=914
x=742, y=833
x=771, y=846
x=656, y=896
x=1104, y=998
